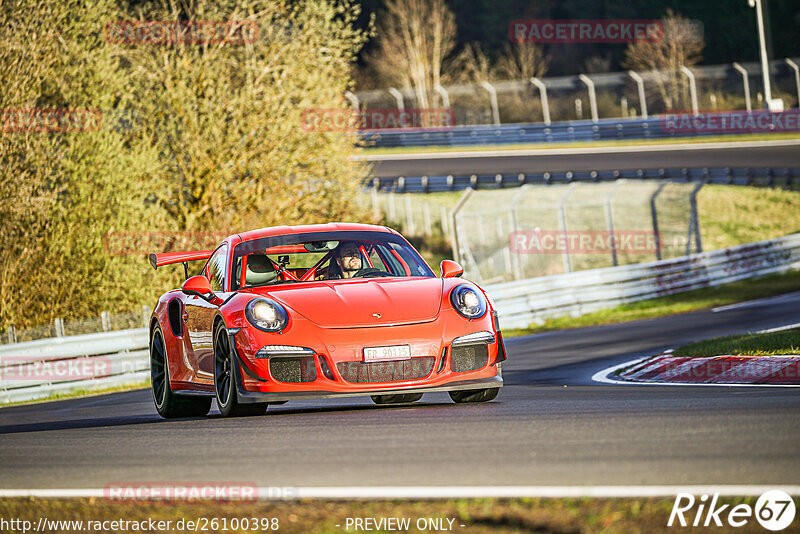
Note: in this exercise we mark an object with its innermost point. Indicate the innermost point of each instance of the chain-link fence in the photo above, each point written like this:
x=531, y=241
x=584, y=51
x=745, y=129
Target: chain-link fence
x=106, y=322
x=537, y=230
x=541, y=230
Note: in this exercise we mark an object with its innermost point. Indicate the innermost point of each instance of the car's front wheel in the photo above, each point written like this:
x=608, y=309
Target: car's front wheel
x=474, y=395
x=168, y=404
x=396, y=399
x=225, y=379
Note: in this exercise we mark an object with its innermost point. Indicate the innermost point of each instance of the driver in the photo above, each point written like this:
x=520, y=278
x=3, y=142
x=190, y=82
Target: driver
x=348, y=258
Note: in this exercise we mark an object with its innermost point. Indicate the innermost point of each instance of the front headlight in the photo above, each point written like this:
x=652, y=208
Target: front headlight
x=266, y=314
x=468, y=302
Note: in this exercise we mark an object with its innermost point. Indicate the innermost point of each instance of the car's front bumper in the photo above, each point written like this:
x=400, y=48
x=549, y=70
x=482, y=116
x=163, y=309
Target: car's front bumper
x=431, y=341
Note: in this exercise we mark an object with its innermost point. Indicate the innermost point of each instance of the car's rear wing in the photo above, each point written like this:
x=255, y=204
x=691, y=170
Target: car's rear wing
x=167, y=258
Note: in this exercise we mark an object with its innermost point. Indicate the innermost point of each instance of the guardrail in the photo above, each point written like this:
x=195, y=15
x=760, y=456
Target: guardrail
x=767, y=177
x=556, y=132
x=524, y=302
x=62, y=365
x=39, y=369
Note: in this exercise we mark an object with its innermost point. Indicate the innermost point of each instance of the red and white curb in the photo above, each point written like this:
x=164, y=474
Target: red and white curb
x=727, y=370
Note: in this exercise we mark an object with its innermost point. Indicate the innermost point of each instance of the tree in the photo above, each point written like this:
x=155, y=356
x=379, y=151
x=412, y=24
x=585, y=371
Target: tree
x=193, y=136
x=413, y=39
x=681, y=45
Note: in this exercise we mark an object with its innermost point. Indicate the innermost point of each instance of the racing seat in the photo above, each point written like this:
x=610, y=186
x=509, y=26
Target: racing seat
x=260, y=270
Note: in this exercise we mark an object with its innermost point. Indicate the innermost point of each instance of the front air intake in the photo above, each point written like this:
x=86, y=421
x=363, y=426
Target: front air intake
x=299, y=369
x=469, y=357
x=413, y=369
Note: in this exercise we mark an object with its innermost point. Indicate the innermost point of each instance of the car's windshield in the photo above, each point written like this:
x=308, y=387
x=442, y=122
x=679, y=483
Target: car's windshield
x=298, y=258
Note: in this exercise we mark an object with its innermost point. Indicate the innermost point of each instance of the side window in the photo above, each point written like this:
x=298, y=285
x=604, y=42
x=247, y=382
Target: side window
x=376, y=260
x=216, y=268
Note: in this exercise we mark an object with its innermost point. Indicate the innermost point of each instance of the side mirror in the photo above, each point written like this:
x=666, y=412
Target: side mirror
x=198, y=286
x=451, y=269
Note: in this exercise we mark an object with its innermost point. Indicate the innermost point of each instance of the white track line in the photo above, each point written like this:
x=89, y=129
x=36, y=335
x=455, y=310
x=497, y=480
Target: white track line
x=779, y=328
x=604, y=377
x=757, y=302
x=572, y=151
x=454, y=492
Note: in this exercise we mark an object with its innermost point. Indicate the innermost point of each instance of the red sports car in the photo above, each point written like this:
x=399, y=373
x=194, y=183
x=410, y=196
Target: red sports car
x=319, y=311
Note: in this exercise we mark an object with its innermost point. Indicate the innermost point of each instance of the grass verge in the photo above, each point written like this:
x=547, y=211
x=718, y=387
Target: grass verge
x=769, y=344
x=81, y=393
x=581, y=144
x=689, y=301
x=477, y=515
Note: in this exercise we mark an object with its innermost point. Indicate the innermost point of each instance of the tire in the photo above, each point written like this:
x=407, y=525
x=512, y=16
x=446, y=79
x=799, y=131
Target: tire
x=474, y=395
x=168, y=404
x=225, y=379
x=396, y=399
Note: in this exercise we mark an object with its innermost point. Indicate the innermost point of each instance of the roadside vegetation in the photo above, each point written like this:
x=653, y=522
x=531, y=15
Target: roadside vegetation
x=766, y=344
x=191, y=138
x=628, y=516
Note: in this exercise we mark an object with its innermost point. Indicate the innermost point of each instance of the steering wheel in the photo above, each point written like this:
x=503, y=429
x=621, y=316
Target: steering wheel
x=370, y=271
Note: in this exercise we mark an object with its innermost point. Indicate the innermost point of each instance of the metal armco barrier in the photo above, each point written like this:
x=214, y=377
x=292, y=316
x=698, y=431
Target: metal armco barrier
x=557, y=132
x=767, y=177
x=45, y=367
x=58, y=365
x=525, y=302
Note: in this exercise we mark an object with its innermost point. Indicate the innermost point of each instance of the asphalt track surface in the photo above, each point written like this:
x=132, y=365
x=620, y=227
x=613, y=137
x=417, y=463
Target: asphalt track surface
x=551, y=425
x=610, y=158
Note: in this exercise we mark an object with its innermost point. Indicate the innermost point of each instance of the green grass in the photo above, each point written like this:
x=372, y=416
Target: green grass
x=689, y=301
x=582, y=144
x=81, y=393
x=770, y=344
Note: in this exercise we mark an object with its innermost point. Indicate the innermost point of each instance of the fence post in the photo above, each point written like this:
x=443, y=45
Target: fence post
x=443, y=219
x=443, y=93
x=493, y=96
x=392, y=208
x=592, y=95
x=640, y=83
x=398, y=96
x=692, y=88
x=694, y=222
x=516, y=260
x=426, y=216
x=105, y=320
x=654, y=215
x=545, y=105
x=610, y=220
x=376, y=208
x=746, y=82
x=353, y=100
x=146, y=315
x=12, y=334
x=796, y=69
x=454, y=224
x=562, y=221
x=411, y=229
x=59, y=324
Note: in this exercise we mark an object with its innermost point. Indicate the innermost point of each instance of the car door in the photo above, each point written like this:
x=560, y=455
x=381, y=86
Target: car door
x=200, y=316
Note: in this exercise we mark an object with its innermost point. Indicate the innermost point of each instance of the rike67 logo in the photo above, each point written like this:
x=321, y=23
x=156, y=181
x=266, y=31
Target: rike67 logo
x=774, y=510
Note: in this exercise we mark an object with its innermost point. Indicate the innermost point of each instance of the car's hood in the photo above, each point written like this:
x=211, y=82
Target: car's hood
x=363, y=303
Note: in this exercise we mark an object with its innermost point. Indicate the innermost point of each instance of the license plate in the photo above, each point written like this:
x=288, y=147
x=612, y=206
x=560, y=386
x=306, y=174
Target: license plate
x=383, y=354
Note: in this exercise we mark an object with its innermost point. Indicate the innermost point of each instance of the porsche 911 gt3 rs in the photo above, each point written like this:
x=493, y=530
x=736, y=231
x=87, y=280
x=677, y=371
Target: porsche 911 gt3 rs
x=319, y=311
